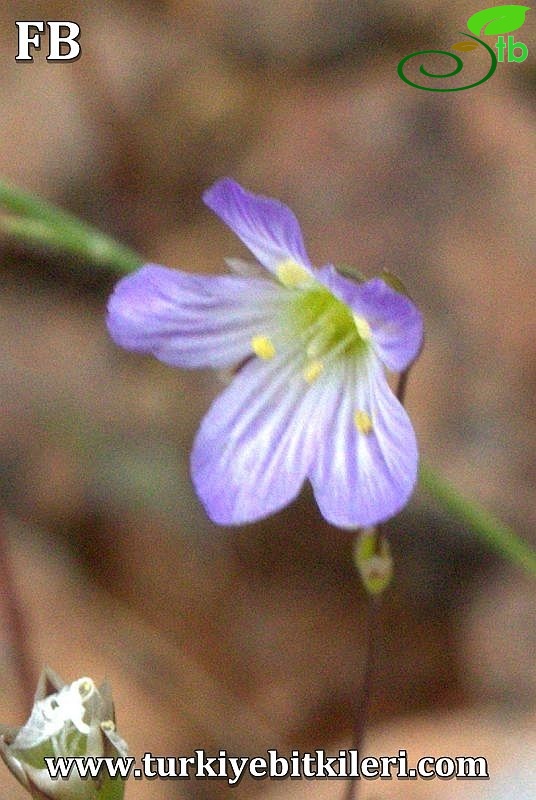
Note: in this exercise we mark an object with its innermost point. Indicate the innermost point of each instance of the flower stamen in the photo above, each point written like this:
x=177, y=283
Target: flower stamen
x=313, y=370
x=363, y=422
x=263, y=347
x=85, y=687
x=330, y=354
x=292, y=275
x=363, y=328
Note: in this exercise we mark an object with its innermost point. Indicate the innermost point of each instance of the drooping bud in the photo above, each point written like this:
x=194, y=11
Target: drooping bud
x=71, y=721
x=373, y=561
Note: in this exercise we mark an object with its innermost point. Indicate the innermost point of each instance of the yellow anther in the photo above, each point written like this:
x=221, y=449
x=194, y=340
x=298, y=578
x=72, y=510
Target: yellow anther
x=363, y=328
x=292, y=274
x=313, y=370
x=85, y=687
x=263, y=347
x=363, y=422
x=108, y=725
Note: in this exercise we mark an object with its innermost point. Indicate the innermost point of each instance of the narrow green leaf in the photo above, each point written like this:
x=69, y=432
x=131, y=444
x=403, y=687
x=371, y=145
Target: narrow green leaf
x=496, y=534
x=34, y=220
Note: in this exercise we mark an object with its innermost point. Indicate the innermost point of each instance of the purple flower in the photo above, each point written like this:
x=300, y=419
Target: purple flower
x=311, y=399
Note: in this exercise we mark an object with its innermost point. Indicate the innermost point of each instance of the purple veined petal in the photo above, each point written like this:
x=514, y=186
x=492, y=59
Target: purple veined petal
x=395, y=321
x=252, y=451
x=266, y=226
x=363, y=477
x=192, y=320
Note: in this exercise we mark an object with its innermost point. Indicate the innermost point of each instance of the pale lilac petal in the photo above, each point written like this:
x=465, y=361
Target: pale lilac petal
x=395, y=321
x=267, y=227
x=250, y=455
x=361, y=479
x=192, y=320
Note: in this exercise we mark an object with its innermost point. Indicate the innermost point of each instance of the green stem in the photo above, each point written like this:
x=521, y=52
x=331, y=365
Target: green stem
x=30, y=219
x=498, y=536
x=112, y=790
x=39, y=222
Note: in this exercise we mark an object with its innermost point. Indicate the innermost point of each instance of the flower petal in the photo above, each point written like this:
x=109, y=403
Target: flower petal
x=191, y=320
x=362, y=478
x=250, y=456
x=395, y=321
x=267, y=227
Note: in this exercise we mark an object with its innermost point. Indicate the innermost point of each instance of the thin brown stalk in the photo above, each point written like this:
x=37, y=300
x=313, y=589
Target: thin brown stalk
x=15, y=619
x=362, y=710
x=373, y=624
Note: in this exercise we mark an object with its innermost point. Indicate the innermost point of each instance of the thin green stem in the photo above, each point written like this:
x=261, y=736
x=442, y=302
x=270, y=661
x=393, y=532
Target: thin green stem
x=112, y=789
x=496, y=534
x=33, y=220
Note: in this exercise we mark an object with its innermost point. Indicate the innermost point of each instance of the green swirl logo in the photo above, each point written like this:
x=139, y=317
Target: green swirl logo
x=457, y=69
x=489, y=21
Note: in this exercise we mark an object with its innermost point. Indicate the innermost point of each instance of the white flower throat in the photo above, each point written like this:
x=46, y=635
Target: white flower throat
x=326, y=328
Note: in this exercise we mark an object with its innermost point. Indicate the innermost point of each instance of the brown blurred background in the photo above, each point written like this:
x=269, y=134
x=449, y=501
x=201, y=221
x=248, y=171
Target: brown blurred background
x=253, y=638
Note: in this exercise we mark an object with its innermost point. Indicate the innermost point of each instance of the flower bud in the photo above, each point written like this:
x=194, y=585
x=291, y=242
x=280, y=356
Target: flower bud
x=394, y=282
x=70, y=721
x=373, y=560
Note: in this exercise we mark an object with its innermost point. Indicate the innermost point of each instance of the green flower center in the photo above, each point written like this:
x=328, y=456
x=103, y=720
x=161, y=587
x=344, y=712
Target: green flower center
x=326, y=328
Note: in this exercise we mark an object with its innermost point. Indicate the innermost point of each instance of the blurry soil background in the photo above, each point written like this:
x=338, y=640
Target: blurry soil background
x=253, y=638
